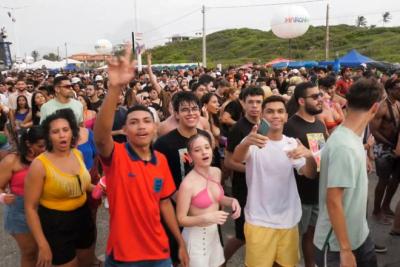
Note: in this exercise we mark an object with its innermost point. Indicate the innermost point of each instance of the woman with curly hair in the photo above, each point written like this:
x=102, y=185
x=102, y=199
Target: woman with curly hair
x=56, y=197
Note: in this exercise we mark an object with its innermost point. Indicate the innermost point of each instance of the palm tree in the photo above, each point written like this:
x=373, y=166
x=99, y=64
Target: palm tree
x=361, y=21
x=35, y=55
x=386, y=17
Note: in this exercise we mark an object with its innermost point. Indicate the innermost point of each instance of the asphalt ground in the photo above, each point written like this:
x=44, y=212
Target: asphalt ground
x=9, y=255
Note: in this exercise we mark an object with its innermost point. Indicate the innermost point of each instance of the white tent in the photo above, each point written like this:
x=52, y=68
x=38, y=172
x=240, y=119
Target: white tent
x=47, y=63
x=70, y=61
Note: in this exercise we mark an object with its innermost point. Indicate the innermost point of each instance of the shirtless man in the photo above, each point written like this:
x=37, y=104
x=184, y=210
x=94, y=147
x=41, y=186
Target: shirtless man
x=385, y=129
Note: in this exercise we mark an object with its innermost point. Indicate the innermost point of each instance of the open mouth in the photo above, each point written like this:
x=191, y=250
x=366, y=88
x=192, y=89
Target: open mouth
x=63, y=143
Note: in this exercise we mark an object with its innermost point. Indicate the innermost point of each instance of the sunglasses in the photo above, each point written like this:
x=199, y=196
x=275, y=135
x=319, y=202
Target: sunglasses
x=145, y=97
x=315, y=96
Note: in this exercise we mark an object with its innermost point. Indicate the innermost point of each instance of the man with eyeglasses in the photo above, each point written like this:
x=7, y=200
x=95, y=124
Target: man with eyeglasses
x=174, y=144
x=63, y=99
x=312, y=133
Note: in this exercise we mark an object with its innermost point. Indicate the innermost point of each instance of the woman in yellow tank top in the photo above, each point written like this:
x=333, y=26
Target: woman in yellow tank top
x=56, y=192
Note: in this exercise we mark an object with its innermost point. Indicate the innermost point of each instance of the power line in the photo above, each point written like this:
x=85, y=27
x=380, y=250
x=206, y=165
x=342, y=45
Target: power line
x=173, y=21
x=271, y=4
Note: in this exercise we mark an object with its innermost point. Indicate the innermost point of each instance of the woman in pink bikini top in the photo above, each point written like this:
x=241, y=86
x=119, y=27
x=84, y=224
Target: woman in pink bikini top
x=199, y=202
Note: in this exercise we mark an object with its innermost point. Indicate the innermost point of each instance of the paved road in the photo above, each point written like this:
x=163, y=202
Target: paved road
x=9, y=256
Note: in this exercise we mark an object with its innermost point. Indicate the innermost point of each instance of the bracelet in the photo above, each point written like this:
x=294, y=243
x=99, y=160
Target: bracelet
x=2, y=196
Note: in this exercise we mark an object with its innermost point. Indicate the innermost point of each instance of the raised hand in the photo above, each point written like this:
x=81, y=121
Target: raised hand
x=149, y=59
x=121, y=70
x=255, y=138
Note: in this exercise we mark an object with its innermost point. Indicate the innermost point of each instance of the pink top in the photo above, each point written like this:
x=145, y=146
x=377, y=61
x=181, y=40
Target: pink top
x=17, y=181
x=90, y=123
x=202, y=200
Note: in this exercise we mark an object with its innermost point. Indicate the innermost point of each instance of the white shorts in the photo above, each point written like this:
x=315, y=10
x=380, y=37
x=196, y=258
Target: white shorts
x=203, y=246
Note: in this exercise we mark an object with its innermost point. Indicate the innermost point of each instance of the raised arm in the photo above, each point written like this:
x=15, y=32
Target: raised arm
x=120, y=72
x=153, y=79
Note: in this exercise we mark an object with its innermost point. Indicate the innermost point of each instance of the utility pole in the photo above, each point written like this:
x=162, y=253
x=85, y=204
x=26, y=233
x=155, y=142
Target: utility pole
x=58, y=52
x=203, y=10
x=327, y=33
x=66, y=53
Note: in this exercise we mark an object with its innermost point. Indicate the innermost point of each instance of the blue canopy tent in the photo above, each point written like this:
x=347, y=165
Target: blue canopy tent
x=295, y=64
x=354, y=59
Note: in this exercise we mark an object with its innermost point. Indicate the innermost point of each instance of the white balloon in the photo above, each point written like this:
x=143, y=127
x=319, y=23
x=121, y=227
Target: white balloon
x=103, y=46
x=290, y=22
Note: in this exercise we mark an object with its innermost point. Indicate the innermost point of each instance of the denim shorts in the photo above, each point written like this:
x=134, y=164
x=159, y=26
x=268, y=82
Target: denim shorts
x=14, y=217
x=111, y=262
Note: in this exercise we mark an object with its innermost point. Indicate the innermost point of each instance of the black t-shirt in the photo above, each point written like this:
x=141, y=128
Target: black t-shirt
x=236, y=110
x=311, y=135
x=174, y=146
x=239, y=131
x=119, y=121
x=95, y=106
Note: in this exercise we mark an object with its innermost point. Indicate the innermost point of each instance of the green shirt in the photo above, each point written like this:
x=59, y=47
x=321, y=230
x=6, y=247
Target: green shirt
x=53, y=105
x=343, y=164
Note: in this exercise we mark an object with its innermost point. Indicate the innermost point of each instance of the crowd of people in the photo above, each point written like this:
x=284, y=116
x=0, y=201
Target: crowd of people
x=176, y=153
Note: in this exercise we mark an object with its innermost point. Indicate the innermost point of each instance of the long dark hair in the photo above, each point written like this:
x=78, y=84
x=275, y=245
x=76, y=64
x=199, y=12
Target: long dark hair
x=30, y=136
x=66, y=114
x=35, y=108
x=26, y=103
x=213, y=118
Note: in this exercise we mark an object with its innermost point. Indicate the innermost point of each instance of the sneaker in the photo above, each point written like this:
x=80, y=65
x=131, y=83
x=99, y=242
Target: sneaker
x=380, y=249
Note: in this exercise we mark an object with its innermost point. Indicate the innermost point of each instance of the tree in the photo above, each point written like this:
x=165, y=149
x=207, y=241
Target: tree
x=51, y=57
x=361, y=21
x=35, y=55
x=386, y=17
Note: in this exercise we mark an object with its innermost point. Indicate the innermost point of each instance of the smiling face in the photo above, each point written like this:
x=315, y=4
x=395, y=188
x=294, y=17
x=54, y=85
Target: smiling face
x=200, y=151
x=275, y=114
x=188, y=114
x=140, y=128
x=60, y=135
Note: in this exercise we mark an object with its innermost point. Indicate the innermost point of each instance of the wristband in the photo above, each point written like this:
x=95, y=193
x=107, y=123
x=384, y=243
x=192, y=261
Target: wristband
x=2, y=196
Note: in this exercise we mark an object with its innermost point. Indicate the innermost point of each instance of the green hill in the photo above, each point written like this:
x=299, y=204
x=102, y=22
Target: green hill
x=238, y=46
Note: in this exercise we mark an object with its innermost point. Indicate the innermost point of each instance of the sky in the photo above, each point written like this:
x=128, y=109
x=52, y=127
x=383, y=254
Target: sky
x=47, y=25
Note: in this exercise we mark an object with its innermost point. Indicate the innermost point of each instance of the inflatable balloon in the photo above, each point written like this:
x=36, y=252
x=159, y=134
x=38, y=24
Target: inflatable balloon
x=290, y=22
x=103, y=46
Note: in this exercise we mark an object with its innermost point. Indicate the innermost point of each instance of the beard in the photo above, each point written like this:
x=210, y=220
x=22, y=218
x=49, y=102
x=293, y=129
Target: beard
x=312, y=110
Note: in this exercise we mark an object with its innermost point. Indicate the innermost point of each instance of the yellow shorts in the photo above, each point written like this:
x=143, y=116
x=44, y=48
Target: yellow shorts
x=265, y=245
